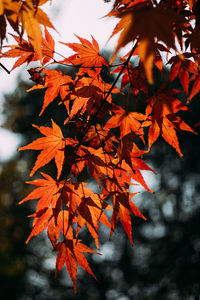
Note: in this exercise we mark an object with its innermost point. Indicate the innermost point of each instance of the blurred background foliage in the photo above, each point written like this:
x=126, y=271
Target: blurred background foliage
x=164, y=262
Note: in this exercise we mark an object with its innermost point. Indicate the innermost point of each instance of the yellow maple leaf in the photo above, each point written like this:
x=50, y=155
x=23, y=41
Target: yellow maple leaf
x=32, y=27
x=31, y=20
x=28, y=17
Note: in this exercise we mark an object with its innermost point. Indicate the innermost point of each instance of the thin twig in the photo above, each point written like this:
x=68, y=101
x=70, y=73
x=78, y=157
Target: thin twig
x=5, y=69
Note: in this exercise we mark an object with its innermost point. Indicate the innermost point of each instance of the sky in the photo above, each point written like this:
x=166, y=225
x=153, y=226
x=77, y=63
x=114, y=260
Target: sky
x=80, y=17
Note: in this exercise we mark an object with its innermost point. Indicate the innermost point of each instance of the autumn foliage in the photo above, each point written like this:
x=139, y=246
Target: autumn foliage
x=107, y=137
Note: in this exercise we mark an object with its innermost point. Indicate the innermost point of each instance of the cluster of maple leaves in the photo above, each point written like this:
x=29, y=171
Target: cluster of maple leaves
x=66, y=204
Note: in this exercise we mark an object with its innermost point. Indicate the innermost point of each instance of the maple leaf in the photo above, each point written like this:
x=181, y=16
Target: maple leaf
x=56, y=220
x=31, y=18
x=26, y=52
x=128, y=121
x=163, y=107
x=97, y=161
x=87, y=54
x=42, y=218
x=122, y=207
x=30, y=23
x=130, y=164
x=8, y=12
x=56, y=83
x=84, y=98
x=134, y=24
x=135, y=76
x=26, y=16
x=99, y=137
x=57, y=224
x=23, y=50
x=52, y=146
x=195, y=88
x=70, y=252
x=87, y=206
x=51, y=195
x=182, y=66
x=91, y=212
x=88, y=94
x=48, y=46
x=48, y=192
x=164, y=103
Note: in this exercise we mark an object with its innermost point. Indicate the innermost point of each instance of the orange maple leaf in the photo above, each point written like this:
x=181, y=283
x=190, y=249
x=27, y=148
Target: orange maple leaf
x=26, y=52
x=60, y=222
x=48, y=46
x=31, y=18
x=23, y=50
x=56, y=220
x=87, y=54
x=128, y=122
x=41, y=221
x=26, y=16
x=99, y=137
x=56, y=83
x=87, y=95
x=48, y=192
x=52, y=146
x=97, y=161
x=51, y=195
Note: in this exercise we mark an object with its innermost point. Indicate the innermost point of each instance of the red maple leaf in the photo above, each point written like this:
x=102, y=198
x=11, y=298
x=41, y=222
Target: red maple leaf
x=70, y=252
x=131, y=163
x=161, y=111
x=182, y=67
x=91, y=212
x=133, y=76
x=122, y=208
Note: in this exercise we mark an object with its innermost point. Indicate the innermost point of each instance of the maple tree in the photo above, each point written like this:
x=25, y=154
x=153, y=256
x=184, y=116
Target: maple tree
x=113, y=157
